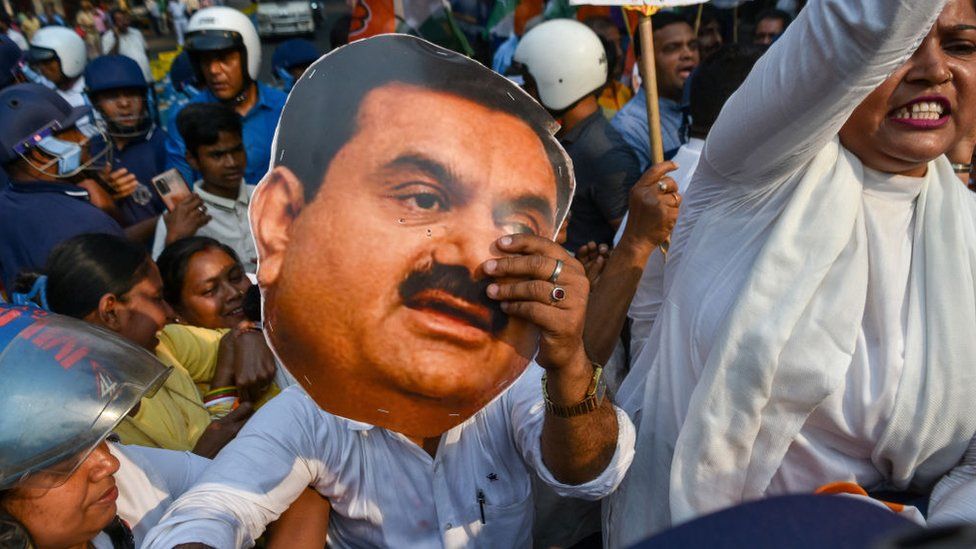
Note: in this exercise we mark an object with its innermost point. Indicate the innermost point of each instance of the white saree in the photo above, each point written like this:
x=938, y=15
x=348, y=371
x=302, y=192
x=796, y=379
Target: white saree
x=767, y=285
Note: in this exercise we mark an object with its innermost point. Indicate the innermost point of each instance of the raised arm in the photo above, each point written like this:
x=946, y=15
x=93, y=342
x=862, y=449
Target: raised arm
x=809, y=82
x=249, y=484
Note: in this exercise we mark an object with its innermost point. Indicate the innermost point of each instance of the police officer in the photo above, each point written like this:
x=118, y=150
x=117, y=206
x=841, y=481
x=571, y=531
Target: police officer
x=58, y=55
x=47, y=150
x=225, y=52
x=290, y=60
x=117, y=89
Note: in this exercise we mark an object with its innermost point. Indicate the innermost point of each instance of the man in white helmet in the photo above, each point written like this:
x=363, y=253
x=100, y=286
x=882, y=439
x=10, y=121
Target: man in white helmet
x=225, y=52
x=564, y=65
x=58, y=55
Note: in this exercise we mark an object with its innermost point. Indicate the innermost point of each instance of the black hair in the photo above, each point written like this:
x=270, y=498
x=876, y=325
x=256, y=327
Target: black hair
x=200, y=124
x=116, y=11
x=339, y=35
x=321, y=114
x=708, y=15
x=175, y=260
x=83, y=269
x=715, y=80
x=659, y=21
x=773, y=13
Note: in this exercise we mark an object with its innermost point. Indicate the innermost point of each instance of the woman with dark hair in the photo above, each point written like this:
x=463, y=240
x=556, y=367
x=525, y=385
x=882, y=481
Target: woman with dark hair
x=62, y=483
x=205, y=283
x=820, y=294
x=112, y=282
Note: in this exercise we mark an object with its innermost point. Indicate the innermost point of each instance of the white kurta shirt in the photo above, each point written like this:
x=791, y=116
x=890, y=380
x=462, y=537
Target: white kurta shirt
x=133, y=45
x=385, y=491
x=781, y=123
x=149, y=480
x=228, y=225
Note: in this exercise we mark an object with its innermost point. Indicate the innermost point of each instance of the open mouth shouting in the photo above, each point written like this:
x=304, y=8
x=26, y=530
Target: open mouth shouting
x=923, y=113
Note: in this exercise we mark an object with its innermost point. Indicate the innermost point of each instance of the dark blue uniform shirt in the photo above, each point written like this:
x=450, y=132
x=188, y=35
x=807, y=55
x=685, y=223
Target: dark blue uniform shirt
x=145, y=158
x=37, y=216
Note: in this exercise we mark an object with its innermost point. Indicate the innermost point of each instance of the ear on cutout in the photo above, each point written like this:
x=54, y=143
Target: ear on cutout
x=275, y=205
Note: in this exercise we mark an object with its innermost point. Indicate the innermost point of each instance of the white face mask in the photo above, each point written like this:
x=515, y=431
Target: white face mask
x=67, y=153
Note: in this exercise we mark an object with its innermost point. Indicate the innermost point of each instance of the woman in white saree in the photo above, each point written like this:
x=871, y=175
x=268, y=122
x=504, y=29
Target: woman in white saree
x=819, y=323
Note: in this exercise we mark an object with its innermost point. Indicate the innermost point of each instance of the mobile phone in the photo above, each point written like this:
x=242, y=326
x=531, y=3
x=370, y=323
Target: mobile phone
x=171, y=187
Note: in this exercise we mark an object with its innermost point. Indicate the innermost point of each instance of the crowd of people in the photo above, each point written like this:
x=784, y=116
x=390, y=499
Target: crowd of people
x=395, y=298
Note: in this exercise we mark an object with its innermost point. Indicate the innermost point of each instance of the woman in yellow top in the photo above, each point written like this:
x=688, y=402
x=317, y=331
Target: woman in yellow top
x=112, y=282
x=205, y=283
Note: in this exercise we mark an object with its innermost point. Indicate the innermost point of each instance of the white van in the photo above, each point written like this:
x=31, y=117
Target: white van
x=277, y=17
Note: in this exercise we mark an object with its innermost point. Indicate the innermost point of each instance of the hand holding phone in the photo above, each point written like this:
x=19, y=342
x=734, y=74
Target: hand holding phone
x=172, y=188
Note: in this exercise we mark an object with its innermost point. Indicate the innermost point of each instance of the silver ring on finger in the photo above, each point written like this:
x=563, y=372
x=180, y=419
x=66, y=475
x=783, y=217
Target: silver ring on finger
x=663, y=186
x=202, y=209
x=556, y=271
x=557, y=294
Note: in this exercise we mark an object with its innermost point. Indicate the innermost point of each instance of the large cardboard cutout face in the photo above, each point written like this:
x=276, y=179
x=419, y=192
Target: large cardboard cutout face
x=396, y=166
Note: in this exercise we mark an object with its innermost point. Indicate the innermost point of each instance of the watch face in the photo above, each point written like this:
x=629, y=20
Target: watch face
x=601, y=388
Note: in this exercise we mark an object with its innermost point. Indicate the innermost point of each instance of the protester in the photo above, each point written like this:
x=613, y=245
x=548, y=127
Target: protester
x=715, y=80
x=565, y=66
x=116, y=88
x=155, y=16
x=204, y=282
x=225, y=53
x=10, y=62
x=290, y=60
x=68, y=486
x=45, y=153
x=770, y=25
x=50, y=17
x=8, y=30
x=123, y=39
x=179, y=19
x=215, y=149
x=112, y=282
x=467, y=481
x=615, y=94
x=85, y=23
x=29, y=22
x=710, y=37
x=675, y=57
x=821, y=286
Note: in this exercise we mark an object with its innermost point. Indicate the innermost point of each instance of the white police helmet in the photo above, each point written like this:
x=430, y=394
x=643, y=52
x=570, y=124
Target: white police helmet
x=566, y=59
x=222, y=28
x=63, y=43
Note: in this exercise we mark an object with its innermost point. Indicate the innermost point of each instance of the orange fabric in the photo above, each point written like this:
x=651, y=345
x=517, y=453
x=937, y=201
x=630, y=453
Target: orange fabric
x=525, y=10
x=585, y=12
x=370, y=18
x=835, y=488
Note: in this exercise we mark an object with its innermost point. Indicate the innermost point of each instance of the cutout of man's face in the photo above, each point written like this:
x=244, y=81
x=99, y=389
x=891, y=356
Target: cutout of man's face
x=374, y=298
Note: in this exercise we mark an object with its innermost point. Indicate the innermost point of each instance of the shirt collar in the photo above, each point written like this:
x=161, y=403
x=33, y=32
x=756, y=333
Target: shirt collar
x=574, y=134
x=243, y=196
x=263, y=99
x=66, y=189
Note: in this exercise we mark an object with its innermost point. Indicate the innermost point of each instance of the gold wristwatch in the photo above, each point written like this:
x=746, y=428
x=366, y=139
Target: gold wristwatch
x=592, y=400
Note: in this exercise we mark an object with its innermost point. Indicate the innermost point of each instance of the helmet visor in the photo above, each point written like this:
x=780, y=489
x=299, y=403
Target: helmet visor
x=37, y=54
x=213, y=40
x=67, y=385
